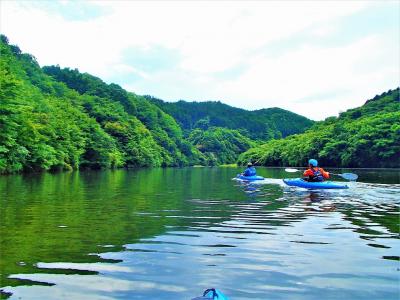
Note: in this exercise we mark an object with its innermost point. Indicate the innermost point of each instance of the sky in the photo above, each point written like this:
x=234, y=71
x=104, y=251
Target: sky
x=315, y=58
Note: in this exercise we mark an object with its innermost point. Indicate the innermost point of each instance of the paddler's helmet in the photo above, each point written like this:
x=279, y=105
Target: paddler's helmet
x=313, y=162
x=249, y=164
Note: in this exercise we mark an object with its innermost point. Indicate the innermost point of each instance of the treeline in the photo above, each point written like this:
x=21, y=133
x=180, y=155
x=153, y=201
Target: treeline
x=47, y=124
x=61, y=119
x=204, y=145
x=220, y=145
x=112, y=106
x=368, y=136
x=262, y=125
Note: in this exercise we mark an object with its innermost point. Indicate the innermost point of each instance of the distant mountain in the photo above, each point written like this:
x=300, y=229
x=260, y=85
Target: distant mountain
x=263, y=124
x=367, y=136
x=220, y=145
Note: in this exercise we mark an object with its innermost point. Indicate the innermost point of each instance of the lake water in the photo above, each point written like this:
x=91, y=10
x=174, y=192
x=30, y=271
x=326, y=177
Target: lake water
x=172, y=233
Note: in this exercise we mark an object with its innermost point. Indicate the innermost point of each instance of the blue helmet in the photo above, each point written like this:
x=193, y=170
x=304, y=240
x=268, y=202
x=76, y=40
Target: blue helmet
x=313, y=162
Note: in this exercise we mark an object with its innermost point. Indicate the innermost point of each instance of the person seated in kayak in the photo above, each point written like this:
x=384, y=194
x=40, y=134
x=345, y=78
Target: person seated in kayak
x=250, y=171
x=314, y=173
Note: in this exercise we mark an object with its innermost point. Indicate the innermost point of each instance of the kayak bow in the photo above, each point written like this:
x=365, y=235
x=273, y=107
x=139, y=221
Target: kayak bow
x=298, y=182
x=212, y=294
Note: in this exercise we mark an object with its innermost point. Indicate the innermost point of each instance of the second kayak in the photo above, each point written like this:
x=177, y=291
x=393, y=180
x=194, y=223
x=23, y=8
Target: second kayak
x=249, y=178
x=299, y=182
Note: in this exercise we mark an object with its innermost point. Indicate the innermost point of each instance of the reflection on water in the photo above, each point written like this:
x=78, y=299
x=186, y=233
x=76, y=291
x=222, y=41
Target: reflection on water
x=171, y=233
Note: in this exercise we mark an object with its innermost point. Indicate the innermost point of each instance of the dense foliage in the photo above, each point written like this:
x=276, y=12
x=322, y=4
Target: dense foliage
x=174, y=150
x=46, y=125
x=368, y=136
x=220, y=145
x=263, y=124
x=40, y=130
x=61, y=119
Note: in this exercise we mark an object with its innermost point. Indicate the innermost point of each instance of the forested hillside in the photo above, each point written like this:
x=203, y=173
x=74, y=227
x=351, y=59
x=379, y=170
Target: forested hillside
x=220, y=145
x=61, y=119
x=163, y=128
x=264, y=124
x=46, y=125
x=213, y=145
x=368, y=136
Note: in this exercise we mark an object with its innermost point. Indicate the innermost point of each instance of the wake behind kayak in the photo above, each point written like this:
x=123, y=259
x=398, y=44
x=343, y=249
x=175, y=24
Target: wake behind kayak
x=299, y=182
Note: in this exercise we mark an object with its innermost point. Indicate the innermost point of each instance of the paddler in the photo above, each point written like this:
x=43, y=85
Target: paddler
x=314, y=173
x=250, y=171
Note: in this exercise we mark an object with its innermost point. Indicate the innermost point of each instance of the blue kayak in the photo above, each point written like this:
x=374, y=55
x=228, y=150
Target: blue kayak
x=212, y=294
x=249, y=178
x=299, y=182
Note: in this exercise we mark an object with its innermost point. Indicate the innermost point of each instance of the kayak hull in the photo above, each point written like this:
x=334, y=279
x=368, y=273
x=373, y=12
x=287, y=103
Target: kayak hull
x=250, y=178
x=218, y=296
x=298, y=182
x=212, y=294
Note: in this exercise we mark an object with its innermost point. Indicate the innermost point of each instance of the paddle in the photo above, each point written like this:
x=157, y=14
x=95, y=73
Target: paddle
x=348, y=176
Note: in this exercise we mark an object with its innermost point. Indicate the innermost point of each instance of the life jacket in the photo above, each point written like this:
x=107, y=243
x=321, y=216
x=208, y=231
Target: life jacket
x=250, y=172
x=317, y=175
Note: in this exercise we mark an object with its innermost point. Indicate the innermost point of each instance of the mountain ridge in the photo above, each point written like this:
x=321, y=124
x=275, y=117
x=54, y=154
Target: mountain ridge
x=262, y=124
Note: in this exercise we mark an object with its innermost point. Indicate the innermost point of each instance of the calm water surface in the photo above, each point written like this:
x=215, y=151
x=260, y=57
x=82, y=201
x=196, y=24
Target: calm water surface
x=171, y=233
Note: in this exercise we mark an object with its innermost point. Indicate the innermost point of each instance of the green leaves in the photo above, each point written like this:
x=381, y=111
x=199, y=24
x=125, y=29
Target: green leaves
x=368, y=136
x=55, y=119
x=65, y=119
x=220, y=145
x=264, y=124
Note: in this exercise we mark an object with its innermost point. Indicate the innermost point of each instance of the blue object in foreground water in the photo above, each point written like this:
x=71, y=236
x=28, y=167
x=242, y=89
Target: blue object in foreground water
x=212, y=294
x=299, y=182
x=249, y=178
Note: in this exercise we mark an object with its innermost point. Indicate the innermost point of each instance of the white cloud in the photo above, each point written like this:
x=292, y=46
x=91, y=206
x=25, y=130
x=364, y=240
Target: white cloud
x=311, y=71
x=214, y=38
x=127, y=70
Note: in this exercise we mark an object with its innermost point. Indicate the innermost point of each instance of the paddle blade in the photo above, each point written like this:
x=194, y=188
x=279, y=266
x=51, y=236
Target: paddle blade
x=349, y=176
x=290, y=170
